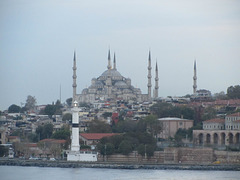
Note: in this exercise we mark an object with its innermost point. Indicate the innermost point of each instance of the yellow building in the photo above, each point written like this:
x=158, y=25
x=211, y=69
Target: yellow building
x=172, y=124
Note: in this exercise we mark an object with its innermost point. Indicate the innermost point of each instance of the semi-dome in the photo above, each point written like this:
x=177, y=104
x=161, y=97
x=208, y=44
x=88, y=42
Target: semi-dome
x=121, y=84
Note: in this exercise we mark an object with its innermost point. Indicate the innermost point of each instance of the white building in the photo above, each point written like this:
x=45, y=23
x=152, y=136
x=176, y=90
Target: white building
x=232, y=121
x=214, y=124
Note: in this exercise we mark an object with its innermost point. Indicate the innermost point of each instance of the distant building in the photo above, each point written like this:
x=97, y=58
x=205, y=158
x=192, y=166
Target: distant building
x=202, y=95
x=172, y=124
x=112, y=85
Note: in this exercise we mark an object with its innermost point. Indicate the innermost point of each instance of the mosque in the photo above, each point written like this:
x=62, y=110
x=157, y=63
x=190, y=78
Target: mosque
x=112, y=85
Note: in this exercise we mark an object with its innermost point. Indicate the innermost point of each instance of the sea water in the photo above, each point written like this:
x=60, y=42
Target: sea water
x=44, y=173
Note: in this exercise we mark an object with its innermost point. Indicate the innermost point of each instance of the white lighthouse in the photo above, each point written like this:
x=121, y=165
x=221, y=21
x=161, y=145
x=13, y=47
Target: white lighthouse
x=75, y=128
x=74, y=153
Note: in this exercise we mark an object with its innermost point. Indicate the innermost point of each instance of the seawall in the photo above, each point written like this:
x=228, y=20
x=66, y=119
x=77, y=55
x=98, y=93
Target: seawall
x=112, y=165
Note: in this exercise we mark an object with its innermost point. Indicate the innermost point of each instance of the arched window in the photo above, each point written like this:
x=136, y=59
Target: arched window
x=208, y=138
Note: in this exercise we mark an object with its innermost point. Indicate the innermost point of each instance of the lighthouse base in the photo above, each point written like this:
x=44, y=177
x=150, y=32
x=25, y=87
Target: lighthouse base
x=81, y=156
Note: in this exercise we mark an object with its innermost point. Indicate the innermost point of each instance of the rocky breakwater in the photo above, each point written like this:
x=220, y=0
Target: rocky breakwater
x=112, y=165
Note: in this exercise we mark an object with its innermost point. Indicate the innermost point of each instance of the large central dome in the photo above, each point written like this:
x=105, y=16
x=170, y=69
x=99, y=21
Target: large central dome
x=113, y=73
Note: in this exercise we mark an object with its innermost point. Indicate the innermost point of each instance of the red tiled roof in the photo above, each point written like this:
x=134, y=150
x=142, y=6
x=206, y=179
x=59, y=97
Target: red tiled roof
x=32, y=144
x=215, y=121
x=59, y=141
x=234, y=115
x=13, y=137
x=97, y=136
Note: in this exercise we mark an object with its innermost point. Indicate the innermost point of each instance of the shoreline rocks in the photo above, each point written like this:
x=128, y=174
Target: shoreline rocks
x=66, y=164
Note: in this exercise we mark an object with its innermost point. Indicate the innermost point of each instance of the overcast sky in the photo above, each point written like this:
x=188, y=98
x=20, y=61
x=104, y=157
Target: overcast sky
x=38, y=38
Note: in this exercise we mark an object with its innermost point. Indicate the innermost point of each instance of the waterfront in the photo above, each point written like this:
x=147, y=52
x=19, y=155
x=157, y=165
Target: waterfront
x=37, y=173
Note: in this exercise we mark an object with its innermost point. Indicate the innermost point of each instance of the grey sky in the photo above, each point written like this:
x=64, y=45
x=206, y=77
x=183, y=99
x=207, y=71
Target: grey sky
x=37, y=40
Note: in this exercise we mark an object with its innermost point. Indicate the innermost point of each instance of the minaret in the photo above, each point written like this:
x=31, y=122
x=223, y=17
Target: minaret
x=74, y=79
x=109, y=60
x=149, y=77
x=109, y=80
x=75, y=128
x=114, y=62
x=156, y=82
x=195, y=79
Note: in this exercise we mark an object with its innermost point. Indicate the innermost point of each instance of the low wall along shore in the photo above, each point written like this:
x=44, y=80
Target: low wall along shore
x=179, y=155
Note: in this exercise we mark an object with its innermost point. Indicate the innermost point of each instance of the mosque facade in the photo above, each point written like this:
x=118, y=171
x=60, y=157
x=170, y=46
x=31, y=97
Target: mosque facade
x=112, y=85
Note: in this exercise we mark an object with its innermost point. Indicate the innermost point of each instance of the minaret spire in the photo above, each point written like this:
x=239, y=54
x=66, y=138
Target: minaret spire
x=114, y=62
x=74, y=78
x=195, y=79
x=156, y=82
x=109, y=60
x=149, y=77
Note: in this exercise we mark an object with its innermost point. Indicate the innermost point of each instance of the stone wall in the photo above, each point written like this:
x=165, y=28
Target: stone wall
x=178, y=156
x=168, y=156
x=227, y=157
x=195, y=156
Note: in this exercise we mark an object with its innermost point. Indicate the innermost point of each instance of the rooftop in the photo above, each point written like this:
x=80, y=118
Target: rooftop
x=97, y=136
x=234, y=115
x=217, y=120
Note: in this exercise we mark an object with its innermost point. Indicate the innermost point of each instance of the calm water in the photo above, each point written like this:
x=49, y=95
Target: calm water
x=40, y=173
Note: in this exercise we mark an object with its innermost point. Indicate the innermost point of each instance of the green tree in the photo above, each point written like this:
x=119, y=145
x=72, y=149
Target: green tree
x=44, y=131
x=209, y=113
x=125, y=126
x=30, y=102
x=106, y=115
x=33, y=137
x=84, y=104
x=151, y=124
x=3, y=151
x=161, y=109
x=97, y=126
x=221, y=95
x=14, y=109
x=146, y=148
x=168, y=110
x=141, y=149
x=69, y=102
x=150, y=148
x=50, y=110
x=125, y=147
x=233, y=92
x=63, y=133
x=106, y=149
x=58, y=107
x=48, y=130
x=67, y=117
